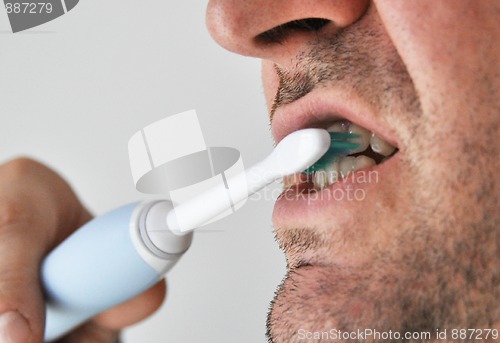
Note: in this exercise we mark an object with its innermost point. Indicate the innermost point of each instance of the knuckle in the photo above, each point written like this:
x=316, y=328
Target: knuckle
x=11, y=213
x=21, y=166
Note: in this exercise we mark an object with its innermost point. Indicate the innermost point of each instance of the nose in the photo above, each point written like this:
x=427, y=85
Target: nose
x=272, y=29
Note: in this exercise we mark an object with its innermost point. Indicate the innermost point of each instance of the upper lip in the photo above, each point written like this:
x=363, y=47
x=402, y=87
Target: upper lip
x=323, y=107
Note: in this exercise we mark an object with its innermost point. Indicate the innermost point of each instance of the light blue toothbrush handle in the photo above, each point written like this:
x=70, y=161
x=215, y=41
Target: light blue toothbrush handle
x=96, y=268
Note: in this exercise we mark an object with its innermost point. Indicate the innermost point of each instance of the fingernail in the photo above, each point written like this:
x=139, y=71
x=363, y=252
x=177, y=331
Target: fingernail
x=14, y=328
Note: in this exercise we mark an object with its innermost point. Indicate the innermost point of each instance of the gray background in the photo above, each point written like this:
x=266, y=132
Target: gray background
x=74, y=90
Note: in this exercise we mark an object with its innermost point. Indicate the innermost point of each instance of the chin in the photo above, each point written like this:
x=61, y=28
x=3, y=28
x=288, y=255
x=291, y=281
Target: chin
x=323, y=302
x=408, y=291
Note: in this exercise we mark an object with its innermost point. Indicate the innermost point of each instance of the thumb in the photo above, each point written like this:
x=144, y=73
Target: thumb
x=37, y=210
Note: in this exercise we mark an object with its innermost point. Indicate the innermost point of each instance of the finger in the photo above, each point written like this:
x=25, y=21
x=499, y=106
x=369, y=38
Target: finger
x=134, y=310
x=37, y=211
x=105, y=327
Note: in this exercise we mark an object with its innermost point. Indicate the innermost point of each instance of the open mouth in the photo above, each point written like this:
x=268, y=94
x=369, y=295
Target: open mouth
x=370, y=150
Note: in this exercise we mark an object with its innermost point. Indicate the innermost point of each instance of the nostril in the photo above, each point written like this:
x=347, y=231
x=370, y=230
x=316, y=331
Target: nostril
x=280, y=32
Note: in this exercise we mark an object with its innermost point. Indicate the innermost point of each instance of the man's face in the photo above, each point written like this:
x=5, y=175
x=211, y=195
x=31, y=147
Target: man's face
x=411, y=243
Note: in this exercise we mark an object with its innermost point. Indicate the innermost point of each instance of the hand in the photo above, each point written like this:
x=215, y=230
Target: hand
x=38, y=210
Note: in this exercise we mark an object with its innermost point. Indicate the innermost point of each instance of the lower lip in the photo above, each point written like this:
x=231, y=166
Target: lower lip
x=344, y=197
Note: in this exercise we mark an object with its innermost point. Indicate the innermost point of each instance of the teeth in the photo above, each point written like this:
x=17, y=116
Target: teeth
x=363, y=162
x=333, y=172
x=347, y=165
x=342, y=168
x=320, y=180
x=340, y=126
x=380, y=146
x=363, y=138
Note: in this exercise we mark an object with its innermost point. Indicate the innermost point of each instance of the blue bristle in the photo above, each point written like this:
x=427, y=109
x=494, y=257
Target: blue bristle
x=340, y=146
x=342, y=136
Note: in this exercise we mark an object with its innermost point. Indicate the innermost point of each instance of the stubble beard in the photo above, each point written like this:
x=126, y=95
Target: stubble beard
x=438, y=271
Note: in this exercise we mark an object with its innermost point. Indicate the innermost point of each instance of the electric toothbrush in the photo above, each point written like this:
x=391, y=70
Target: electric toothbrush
x=122, y=253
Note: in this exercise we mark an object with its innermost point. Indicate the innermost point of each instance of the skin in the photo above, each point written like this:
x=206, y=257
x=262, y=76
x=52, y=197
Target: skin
x=420, y=252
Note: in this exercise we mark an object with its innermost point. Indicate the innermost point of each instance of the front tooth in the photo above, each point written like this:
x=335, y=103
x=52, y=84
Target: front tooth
x=339, y=126
x=363, y=138
x=380, y=146
x=363, y=161
x=333, y=172
x=320, y=179
x=351, y=164
x=347, y=165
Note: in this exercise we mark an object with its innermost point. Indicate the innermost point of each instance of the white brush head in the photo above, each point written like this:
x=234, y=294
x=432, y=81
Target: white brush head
x=294, y=154
x=298, y=151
